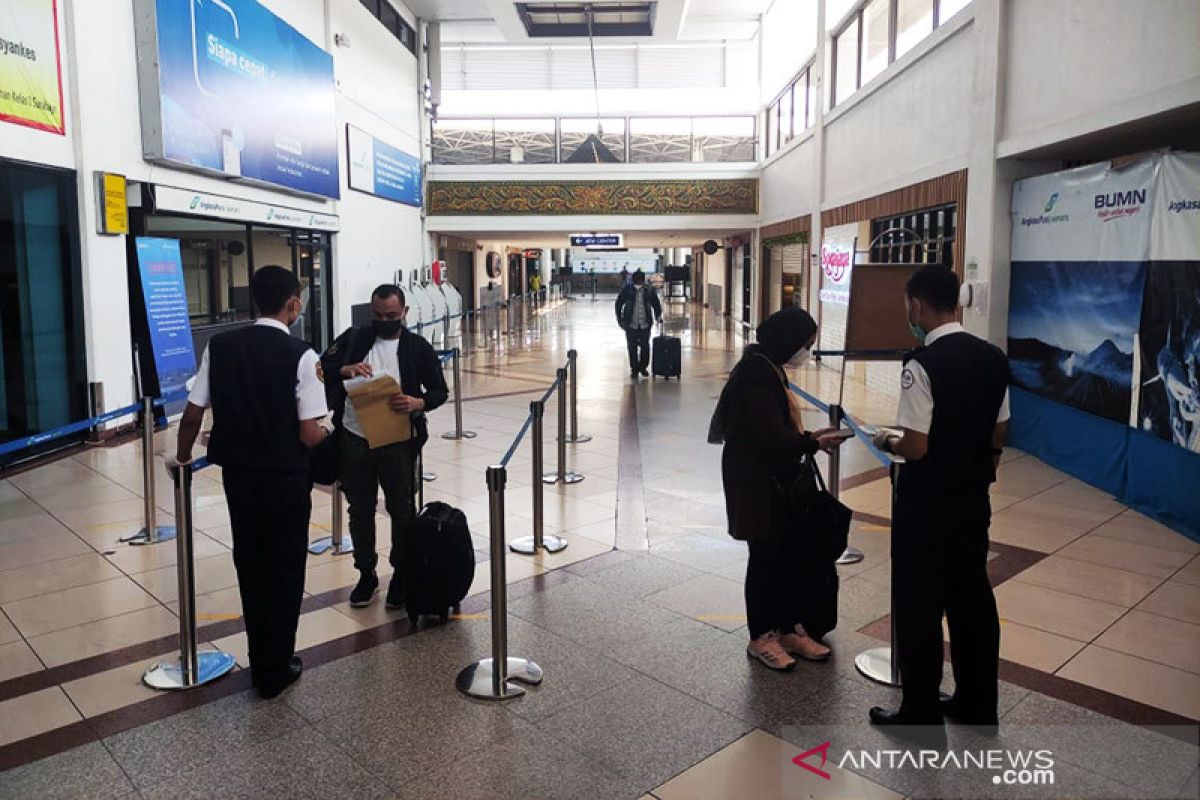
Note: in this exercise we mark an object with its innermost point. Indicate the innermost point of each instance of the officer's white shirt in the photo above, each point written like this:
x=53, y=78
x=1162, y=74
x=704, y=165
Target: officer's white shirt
x=384, y=361
x=310, y=393
x=916, y=395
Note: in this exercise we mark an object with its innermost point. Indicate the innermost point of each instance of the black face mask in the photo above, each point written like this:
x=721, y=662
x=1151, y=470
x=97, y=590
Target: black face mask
x=387, y=328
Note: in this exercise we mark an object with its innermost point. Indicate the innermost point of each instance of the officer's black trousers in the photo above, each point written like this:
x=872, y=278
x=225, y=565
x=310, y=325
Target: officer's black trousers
x=269, y=514
x=939, y=566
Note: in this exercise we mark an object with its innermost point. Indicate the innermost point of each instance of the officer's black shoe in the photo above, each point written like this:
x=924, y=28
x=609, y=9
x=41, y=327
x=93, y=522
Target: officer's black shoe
x=645, y=374
x=929, y=734
x=984, y=724
x=270, y=689
x=365, y=591
x=395, y=593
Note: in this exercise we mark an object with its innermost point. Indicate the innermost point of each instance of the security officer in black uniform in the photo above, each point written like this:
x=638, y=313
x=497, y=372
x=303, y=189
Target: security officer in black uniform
x=268, y=409
x=953, y=414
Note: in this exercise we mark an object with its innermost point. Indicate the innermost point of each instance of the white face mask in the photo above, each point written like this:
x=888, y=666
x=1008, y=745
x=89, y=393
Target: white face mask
x=801, y=358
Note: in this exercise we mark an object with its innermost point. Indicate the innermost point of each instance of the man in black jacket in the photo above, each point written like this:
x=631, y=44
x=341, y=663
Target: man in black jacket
x=637, y=311
x=384, y=348
x=268, y=409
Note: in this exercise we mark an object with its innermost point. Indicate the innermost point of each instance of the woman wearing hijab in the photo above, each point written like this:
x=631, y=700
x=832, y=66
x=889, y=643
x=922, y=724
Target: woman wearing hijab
x=758, y=420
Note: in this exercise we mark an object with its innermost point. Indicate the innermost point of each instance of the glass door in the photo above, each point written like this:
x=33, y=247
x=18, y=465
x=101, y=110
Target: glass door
x=312, y=267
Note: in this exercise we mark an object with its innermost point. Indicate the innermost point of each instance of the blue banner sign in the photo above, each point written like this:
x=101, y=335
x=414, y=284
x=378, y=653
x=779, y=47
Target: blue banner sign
x=597, y=240
x=161, y=271
x=382, y=170
x=231, y=88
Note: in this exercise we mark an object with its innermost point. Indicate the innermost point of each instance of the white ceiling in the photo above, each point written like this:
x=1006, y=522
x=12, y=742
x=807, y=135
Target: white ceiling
x=675, y=21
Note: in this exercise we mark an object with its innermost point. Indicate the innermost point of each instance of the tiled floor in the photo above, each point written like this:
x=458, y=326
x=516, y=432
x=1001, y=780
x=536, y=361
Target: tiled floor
x=647, y=689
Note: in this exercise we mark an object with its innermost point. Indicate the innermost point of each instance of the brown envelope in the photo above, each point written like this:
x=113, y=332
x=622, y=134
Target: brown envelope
x=381, y=425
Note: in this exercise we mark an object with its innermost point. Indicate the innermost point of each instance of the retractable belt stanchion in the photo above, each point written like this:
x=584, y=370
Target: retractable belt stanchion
x=193, y=668
x=563, y=475
x=458, y=432
x=490, y=678
x=837, y=415
x=573, y=376
x=151, y=532
x=464, y=333
x=529, y=545
x=335, y=540
x=882, y=664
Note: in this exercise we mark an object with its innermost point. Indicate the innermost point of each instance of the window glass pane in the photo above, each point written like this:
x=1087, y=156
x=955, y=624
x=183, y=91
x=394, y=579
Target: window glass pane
x=577, y=133
x=914, y=21
x=812, y=99
x=660, y=139
x=525, y=141
x=949, y=8
x=786, y=128
x=389, y=18
x=875, y=39
x=846, y=48
x=723, y=138
x=835, y=10
x=372, y=6
x=462, y=141
x=772, y=128
x=216, y=266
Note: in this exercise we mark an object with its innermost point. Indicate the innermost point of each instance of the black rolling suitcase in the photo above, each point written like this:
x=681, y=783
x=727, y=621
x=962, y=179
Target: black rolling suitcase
x=666, y=357
x=439, y=562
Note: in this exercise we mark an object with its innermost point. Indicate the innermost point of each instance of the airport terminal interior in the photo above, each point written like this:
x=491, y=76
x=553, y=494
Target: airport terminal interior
x=548, y=183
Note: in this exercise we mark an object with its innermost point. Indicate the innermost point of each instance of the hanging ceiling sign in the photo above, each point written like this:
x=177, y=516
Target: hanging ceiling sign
x=597, y=241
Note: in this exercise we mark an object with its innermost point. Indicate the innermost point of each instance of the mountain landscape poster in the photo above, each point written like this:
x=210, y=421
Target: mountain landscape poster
x=1071, y=332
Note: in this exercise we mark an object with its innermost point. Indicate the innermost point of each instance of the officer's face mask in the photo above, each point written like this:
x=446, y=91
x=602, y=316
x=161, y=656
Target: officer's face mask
x=913, y=316
x=387, y=328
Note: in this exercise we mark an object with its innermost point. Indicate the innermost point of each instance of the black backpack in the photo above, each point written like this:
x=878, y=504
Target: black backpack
x=439, y=562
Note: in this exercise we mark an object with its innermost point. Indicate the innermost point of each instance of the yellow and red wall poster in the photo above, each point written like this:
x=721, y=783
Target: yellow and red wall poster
x=30, y=67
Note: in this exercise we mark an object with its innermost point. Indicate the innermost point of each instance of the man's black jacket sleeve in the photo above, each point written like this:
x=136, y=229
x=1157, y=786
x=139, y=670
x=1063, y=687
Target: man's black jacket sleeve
x=433, y=380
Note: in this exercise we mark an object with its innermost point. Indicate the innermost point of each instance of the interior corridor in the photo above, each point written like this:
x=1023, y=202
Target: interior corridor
x=639, y=624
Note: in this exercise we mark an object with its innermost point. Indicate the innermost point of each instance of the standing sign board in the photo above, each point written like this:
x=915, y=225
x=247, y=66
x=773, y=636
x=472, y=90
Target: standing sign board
x=229, y=88
x=168, y=324
x=382, y=170
x=30, y=65
x=837, y=264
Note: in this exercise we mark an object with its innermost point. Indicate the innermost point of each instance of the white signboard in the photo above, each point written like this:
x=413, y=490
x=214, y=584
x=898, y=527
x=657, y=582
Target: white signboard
x=837, y=262
x=202, y=204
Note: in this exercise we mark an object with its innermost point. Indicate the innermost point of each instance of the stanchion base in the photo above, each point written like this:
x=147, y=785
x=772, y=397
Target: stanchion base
x=325, y=544
x=876, y=664
x=163, y=533
x=454, y=435
x=852, y=555
x=526, y=547
x=551, y=478
x=428, y=477
x=580, y=439
x=476, y=679
x=168, y=675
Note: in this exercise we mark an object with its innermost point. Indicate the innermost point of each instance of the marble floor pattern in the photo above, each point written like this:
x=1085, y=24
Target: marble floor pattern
x=639, y=623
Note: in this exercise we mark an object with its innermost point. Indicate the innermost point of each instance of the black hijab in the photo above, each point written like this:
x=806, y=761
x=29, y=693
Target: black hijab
x=780, y=336
x=784, y=333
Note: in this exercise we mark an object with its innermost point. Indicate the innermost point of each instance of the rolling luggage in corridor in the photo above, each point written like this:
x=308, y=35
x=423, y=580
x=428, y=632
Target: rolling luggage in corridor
x=666, y=357
x=439, y=562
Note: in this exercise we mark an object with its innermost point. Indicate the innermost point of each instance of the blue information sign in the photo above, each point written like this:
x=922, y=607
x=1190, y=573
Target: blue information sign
x=382, y=170
x=243, y=93
x=161, y=271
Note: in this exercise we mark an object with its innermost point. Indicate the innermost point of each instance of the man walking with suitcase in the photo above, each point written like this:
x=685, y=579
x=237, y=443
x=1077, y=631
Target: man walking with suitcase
x=383, y=348
x=638, y=309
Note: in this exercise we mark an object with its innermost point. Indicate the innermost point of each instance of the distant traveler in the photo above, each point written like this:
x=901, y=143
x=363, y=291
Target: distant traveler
x=384, y=347
x=625, y=277
x=953, y=412
x=758, y=420
x=268, y=409
x=638, y=309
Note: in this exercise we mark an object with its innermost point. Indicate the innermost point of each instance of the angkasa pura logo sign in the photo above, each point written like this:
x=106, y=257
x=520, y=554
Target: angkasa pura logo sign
x=1044, y=218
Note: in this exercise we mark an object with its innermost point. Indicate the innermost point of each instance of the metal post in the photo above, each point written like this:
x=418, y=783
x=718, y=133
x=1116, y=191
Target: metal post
x=851, y=555
x=458, y=432
x=464, y=333
x=151, y=532
x=193, y=668
x=335, y=539
x=882, y=664
x=422, y=477
x=563, y=475
x=489, y=679
x=528, y=545
x=573, y=374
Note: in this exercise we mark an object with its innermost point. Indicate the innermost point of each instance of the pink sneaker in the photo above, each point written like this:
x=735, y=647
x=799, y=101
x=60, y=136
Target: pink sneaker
x=804, y=646
x=766, y=649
